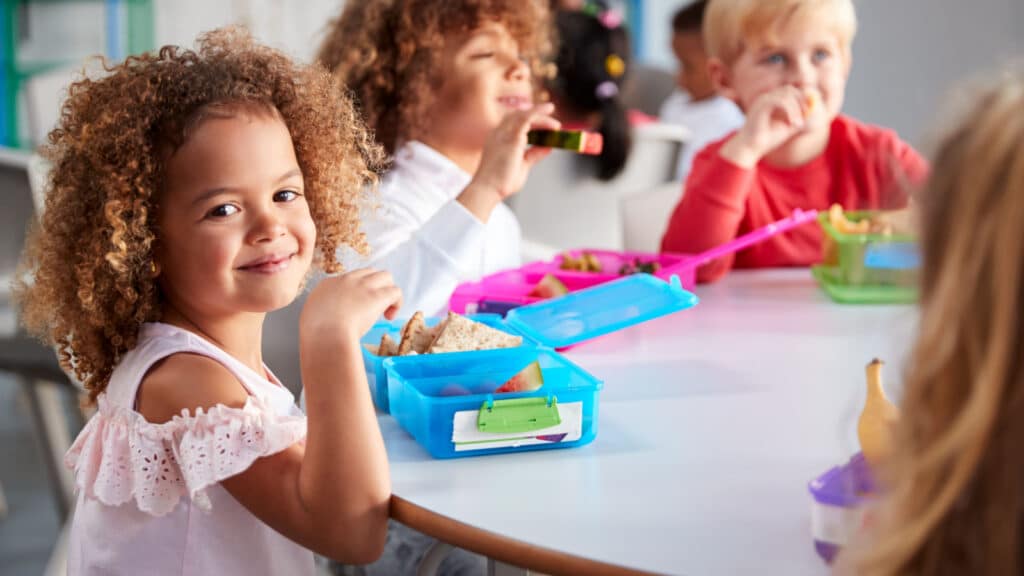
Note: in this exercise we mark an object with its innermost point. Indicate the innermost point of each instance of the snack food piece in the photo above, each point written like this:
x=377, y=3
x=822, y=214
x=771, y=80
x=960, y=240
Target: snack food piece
x=886, y=223
x=811, y=100
x=879, y=416
x=416, y=336
x=549, y=287
x=838, y=219
x=459, y=334
x=388, y=346
x=527, y=380
x=453, y=334
x=637, y=266
x=893, y=222
x=454, y=390
x=586, y=262
x=575, y=140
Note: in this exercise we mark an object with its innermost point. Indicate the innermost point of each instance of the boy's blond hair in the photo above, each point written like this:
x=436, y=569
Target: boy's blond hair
x=730, y=25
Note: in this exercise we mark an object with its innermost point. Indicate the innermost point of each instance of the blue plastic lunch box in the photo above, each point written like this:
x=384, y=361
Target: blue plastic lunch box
x=447, y=402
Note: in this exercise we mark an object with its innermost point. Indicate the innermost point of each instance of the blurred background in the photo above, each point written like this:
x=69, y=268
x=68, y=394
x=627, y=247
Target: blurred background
x=908, y=55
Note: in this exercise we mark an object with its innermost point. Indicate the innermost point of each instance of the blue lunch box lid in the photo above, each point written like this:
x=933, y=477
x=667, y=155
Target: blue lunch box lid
x=893, y=256
x=596, y=311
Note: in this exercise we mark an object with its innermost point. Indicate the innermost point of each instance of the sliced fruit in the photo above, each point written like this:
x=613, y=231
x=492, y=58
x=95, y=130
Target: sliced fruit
x=527, y=380
x=843, y=225
x=648, y=267
x=454, y=390
x=637, y=266
x=549, y=287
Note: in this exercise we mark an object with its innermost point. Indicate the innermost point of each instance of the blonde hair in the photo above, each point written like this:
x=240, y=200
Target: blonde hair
x=954, y=485
x=730, y=25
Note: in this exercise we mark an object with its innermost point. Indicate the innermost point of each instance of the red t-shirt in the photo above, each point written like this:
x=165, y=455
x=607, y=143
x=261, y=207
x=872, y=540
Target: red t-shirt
x=862, y=167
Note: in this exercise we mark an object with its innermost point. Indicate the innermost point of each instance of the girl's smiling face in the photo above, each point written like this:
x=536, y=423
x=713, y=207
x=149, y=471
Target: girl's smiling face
x=485, y=78
x=235, y=231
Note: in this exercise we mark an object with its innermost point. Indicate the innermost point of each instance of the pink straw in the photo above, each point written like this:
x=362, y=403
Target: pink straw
x=753, y=237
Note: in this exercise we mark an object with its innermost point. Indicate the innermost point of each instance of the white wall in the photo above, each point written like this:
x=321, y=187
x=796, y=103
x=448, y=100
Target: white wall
x=910, y=54
x=907, y=55
x=294, y=26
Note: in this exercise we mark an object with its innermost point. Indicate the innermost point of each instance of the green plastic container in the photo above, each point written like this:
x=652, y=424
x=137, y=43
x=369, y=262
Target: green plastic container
x=828, y=279
x=845, y=252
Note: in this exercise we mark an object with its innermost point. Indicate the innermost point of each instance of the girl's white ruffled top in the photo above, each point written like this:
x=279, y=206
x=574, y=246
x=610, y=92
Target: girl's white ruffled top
x=149, y=498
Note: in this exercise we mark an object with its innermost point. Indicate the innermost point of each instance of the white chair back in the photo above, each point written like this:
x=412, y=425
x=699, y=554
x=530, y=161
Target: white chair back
x=564, y=206
x=645, y=216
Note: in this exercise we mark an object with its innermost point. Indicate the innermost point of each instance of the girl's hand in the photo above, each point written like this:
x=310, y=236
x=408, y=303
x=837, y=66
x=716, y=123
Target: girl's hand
x=342, y=308
x=507, y=159
x=774, y=118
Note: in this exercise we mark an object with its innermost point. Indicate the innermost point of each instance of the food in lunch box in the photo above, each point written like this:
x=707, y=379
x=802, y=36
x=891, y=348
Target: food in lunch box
x=585, y=262
x=549, y=287
x=458, y=334
x=387, y=347
x=416, y=336
x=454, y=390
x=875, y=426
x=455, y=333
x=886, y=223
x=637, y=266
x=527, y=380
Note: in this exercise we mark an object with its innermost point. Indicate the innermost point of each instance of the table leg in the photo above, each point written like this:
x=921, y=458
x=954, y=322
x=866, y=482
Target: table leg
x=495, y=568
x=432, y=559
x=3, y=503
x=54, y=439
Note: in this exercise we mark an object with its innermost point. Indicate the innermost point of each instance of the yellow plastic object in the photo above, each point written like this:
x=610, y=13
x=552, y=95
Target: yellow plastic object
x=875, y=427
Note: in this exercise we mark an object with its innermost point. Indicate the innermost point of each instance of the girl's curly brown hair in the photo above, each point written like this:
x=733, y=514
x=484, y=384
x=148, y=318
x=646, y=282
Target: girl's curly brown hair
x=390, y=53
x=88, y=276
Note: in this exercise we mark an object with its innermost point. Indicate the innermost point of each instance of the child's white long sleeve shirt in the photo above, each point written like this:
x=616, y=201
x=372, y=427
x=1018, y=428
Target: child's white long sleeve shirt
x=430, y=242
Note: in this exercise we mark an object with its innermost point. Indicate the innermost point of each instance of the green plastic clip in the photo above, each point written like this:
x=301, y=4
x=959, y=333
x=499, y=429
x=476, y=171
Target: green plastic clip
x=518, y=415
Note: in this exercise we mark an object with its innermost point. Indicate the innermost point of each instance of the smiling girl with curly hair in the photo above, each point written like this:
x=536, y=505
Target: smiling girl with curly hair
x=189, y=195
x=448, y=86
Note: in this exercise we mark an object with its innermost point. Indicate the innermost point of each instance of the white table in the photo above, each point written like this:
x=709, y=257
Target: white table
x=711, y=423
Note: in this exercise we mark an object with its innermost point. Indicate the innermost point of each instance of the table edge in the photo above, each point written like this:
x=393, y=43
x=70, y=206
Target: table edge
x=498, y=547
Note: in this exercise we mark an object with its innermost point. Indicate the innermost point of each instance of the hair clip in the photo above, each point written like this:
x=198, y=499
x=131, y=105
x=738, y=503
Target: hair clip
x=606, y=90
x=608, y=17
x=611, y=19
x=548, y=70
x=614, y=65
x=591, y=9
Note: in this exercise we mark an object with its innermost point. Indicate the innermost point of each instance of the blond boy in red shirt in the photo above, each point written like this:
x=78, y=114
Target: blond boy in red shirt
x=785, y=63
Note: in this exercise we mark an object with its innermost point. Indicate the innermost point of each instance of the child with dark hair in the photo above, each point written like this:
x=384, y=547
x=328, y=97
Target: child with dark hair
x=449, y=89
x=696, y=104
x=592, y=63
